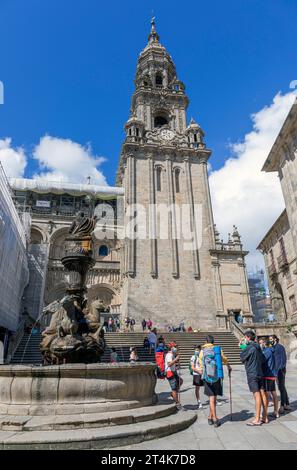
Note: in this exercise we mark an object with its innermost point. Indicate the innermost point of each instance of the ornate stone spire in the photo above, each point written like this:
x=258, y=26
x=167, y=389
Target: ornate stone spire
x=154, y=36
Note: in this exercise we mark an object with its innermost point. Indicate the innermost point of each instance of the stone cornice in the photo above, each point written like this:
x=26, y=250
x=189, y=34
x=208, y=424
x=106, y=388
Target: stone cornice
x=285, y=142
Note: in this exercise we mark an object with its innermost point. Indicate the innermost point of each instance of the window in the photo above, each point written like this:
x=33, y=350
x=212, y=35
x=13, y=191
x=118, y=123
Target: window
x=158, y=175
x=292, y=300
x=159, y=79
x=282, y=248
x=103, y=250
x=160, y=121
x=176, y=177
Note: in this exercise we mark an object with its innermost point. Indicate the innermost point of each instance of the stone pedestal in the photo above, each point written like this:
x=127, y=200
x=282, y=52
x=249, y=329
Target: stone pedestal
x=75, y=388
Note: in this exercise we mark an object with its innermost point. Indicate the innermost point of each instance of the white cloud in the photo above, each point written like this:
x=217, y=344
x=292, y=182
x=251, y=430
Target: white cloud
x=13, y=159
x=65, y=160
x=241, y=193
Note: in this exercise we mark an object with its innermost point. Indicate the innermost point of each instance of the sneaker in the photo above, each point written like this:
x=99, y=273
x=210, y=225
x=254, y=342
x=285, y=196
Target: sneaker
x=287, y=408
x=219, y=403
x=179, y=407
x=199, y=405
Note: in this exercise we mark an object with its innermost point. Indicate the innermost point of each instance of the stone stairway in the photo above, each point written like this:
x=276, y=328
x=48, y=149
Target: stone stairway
x=186, y=342
x=93, y=430
x=28, y=350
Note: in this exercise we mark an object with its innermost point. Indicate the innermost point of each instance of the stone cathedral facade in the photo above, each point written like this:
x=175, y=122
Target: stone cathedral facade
x=164, y=163
x=163, y=177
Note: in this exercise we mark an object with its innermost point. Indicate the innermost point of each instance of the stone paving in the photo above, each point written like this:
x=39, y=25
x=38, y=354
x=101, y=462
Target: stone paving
x=278, y=434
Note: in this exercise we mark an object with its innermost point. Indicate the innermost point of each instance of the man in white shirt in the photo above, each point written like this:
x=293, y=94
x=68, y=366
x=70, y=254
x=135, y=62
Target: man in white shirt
x=171, y=364
x=197, y=374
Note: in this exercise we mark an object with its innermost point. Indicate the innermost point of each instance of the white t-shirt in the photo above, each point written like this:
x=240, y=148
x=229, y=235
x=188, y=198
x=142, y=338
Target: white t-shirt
x=168, y=358
x=195, y=363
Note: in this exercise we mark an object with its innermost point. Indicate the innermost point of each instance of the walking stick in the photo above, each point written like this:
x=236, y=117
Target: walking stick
x=230, y=395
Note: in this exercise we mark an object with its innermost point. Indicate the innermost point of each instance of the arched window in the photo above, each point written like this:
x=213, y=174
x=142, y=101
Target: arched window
x=158, y=178
x=103, y=250
x=160, y=121
x=159, y=80
x=176, y=177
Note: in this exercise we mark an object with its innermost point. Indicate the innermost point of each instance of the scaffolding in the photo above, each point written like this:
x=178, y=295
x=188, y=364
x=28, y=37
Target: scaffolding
x=14, y=273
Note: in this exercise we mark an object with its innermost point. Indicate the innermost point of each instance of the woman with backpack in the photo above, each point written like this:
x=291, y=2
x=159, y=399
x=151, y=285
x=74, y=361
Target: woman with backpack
x=211, y=360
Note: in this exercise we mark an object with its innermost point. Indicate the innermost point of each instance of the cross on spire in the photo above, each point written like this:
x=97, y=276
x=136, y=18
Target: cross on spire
x=153, y=37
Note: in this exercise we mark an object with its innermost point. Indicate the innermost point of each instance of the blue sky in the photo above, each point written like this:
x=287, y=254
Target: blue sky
x=68, y=66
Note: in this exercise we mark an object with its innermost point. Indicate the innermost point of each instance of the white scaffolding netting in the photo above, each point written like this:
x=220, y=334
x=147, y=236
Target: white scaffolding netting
x=56, y=187
x=14, y=272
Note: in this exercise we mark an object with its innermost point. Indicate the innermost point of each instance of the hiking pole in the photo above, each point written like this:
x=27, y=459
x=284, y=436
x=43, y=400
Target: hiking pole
x=230, y=394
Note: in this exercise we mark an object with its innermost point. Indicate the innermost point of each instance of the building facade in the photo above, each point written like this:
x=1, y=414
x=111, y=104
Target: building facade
x=14, y=273
x=279, y=246
x=163, y=164
x=188, y=274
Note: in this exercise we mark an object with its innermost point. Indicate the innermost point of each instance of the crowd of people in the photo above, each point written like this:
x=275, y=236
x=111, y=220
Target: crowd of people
x=265, y=365
x=264, y=360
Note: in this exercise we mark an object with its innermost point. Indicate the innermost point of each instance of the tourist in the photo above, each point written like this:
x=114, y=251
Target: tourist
x=143, y=324
x=152, y=337
x=280, y=365
x=146, y=343
x=197, y=374
x=171, y=366
x=117, y=324
x=110, y=324
x=161, y=342
x=269, y=377
x=181, y=327
x=133, y=355
x=114, y=356
x=211, y=360
x=160, y=358
x=132, y=324
x=252, y=358
x=127, y=323
x=149, y=324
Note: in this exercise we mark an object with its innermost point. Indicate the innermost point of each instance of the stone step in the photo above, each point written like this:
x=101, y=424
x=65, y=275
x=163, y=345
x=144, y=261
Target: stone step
x=97, y=438
x=28, y=350
x=86, y=420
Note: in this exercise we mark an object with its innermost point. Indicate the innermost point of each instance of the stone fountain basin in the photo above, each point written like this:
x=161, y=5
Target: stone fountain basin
x=75, y=388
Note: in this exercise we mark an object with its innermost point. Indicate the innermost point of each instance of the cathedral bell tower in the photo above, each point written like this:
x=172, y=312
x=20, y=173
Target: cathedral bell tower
x=163, y=168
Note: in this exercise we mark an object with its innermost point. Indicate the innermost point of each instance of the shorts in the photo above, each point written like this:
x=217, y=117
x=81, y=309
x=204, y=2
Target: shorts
x=213, y=390
x=197, y=380
x=269, y=385
x=255, y=384
x=174, y=383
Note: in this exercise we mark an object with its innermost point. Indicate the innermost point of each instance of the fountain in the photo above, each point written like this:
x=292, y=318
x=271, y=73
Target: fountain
x=72, y=379
x=73, y=390
x=75, y=334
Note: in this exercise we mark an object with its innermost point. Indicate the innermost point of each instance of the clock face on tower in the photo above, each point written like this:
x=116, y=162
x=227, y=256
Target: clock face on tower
x=167, y=134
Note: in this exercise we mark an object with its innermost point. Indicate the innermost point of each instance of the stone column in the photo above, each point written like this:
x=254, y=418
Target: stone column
x=189, y=191
x=172, y=219
x=246, y=303
x=152, y=218
x=209, y=213
x=131, y=201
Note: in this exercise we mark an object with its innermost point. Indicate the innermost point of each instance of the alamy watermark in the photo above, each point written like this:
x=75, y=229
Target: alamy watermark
x=151, y=222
